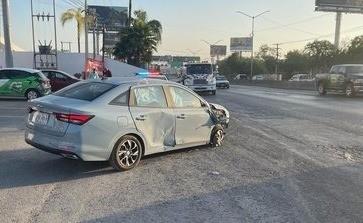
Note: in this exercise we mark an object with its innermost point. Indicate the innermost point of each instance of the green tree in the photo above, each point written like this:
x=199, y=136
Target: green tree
x=78, y=16
x=354, y=53
x=139, y=41
x=321, y=55
x=235, y=64
x=295, y=62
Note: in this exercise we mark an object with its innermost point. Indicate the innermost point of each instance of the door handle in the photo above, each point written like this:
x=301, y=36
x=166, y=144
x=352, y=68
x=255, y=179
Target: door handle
x=141, y=118
x=181, y=116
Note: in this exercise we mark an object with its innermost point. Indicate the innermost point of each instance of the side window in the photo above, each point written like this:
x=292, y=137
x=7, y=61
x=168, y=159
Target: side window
x=48, y=74
x=2, y=75
x=341, y=70
x=334, y=70
x=17, y=74
x=184, y=99
x=60, y=76
x=121, y=100
x=152, y=96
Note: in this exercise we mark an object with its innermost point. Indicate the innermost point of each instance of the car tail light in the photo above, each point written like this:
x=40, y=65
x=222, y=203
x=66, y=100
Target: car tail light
x=76, y=119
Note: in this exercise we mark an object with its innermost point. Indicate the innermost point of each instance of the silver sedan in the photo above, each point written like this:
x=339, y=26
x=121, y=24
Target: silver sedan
x=121, y=120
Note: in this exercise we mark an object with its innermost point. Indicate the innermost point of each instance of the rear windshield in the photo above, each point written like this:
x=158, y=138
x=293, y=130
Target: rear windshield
x=86, y=91
x=221, y=78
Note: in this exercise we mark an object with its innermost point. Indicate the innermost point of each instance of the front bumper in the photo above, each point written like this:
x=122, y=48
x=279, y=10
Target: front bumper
x=72, y=145
x=223, y=84
x=201, y=88
x=358, y=89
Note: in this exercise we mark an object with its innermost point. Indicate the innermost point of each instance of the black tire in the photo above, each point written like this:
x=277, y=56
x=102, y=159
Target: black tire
x=228, y=87
x=31, y=94
x=321, y=89
x=349, y=91
x=118, y=159
x=217, y=132
x=214, y=92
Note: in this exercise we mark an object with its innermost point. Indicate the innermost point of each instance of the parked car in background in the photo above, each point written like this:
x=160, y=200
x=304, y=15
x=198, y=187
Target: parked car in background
x=59, y=79
x=258, y=78
x=222, y=82
x=121, y=120
x=23, y=83
x=241, y=77
x=345, y=78
x=301, y=77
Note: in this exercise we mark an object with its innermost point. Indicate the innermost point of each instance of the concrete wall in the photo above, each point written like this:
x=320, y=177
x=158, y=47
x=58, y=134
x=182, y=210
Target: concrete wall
x=73, y=63
x=302, y=85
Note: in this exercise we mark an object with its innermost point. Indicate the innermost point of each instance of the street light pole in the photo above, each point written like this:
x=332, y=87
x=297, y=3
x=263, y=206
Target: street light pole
x=86, y=35
x=7, y=40
x=130, y=12
x=252, y=35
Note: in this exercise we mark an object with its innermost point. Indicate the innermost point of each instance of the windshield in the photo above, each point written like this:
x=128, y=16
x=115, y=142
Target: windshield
x=199, y=69
x=355, y=70
x=221, y=78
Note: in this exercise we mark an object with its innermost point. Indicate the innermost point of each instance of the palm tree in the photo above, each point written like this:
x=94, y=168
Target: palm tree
x=78, y=15
x=139, y=41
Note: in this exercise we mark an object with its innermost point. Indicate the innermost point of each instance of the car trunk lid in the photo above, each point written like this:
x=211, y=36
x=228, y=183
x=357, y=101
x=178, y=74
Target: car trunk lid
x=47, y=114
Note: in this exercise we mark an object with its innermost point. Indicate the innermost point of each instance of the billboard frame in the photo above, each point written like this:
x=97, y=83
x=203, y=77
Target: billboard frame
x=343, y=8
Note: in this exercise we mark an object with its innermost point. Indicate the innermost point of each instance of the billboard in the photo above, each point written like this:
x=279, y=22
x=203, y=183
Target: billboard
x=218, y=50
x=349, y=6
x=113, y=18
x=240, y=44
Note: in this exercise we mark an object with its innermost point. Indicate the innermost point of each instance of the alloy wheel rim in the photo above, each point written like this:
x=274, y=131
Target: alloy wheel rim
x=128, y=153
x=321, y=89
x=219, y=137
x=32, y=95
x=348, y=91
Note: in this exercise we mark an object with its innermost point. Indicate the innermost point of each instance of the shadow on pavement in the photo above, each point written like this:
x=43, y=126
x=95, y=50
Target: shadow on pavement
x=28, y=167
x=324, y=195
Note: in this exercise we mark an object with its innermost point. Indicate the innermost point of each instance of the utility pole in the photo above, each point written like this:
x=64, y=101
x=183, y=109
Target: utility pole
x=86, y=34
x=337, y=29
x=252, y=35
x=277, y=57
x=130, y=12
x=7, y=40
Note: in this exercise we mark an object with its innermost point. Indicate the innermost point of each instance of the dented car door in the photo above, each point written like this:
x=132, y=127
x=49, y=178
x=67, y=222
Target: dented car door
x=152, y=117
x=193, y=121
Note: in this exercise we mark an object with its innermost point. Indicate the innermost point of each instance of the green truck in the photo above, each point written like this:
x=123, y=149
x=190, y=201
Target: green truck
x=23, y=83
x=345, y=78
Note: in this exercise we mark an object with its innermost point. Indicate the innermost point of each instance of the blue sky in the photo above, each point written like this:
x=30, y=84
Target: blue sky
x=187, y=22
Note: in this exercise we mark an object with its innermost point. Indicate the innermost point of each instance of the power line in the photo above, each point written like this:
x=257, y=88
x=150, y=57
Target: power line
x=292, y=28
x=322, y=36
x=294, y=23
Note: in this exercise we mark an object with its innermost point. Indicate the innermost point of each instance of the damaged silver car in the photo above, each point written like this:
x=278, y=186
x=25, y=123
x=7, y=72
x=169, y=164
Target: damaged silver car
x=122, y=120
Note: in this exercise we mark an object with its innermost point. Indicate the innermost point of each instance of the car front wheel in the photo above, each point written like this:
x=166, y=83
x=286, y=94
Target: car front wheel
x=217, y=136
x=321, y=89
x=349, y=90
x=126, y=154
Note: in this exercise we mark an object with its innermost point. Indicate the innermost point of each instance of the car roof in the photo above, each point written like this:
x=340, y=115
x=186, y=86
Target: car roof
x=23, y=69
x=349, y=65
x=134, y=81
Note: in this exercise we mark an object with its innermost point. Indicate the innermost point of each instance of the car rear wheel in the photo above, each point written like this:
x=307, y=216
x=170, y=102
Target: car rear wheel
x=32, y=94
x=126, y=154
x=214, y=92
x=349, y=90
x=321, y=89
x=217, y=136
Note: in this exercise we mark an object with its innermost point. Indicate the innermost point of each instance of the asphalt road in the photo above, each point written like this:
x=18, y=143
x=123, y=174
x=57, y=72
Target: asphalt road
x=290, y=156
